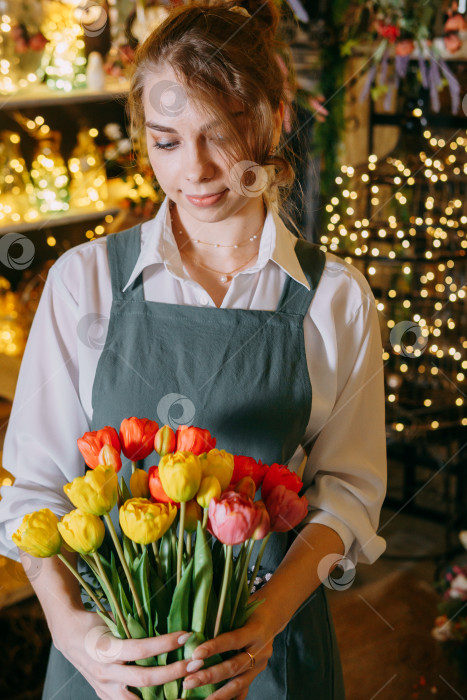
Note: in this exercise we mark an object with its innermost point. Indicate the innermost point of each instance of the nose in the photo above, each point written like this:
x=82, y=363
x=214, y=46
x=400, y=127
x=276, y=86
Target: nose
x=198, y=165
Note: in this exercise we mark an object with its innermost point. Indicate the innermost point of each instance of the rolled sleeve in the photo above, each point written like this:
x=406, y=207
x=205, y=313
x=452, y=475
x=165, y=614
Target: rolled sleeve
x=346, y=471
x=47, y=417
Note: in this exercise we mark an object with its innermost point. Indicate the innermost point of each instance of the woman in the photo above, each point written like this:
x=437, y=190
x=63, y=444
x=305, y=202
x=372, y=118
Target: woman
x=210, y=306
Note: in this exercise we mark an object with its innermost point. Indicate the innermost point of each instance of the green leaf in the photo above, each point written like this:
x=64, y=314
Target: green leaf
x=141, y=581
x=240, y=615
x=124, y=489
x=111, y=625
x=202, y=580
x=165, y=555
x=179, y=613
x=211, y=614
x=123, y=600
x=171, y=690
x=160, y=602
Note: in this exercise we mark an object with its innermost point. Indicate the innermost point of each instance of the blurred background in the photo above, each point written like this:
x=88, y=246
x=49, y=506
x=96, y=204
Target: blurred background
x=380, y=93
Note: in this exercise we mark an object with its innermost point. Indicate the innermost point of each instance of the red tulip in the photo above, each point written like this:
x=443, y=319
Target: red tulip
x=110, y=457
x=264, y=524
x=164, y=440
x=196, y=440
x=156, y=489
x=137, y=437
x=247, y=466
x=280, y=474
x=388, y=31
x=286, y=509
x=233, y=518
x=93, y=441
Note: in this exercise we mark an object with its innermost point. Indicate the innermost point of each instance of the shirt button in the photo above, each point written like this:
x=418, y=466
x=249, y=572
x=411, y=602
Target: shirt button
x=203, y=299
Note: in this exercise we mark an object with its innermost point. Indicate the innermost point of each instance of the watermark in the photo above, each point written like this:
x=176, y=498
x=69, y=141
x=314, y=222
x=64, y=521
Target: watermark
x=24, y=570
x=16, y=262
x=248, y=178
x=168, y=98
x=101, y=645
x=92, y=17
x=341, y=577
x=400, y=330
x=171, y=404
x=92, y=330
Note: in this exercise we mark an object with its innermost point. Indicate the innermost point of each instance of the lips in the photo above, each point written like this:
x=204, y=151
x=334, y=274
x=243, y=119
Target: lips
x=205, y=200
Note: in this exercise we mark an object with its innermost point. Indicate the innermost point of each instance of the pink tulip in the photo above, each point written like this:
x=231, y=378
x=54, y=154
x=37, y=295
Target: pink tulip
x=233, y=517
x=286, y=509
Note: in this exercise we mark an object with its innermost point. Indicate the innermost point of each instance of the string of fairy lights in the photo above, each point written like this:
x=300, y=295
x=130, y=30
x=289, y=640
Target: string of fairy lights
x=401, y=221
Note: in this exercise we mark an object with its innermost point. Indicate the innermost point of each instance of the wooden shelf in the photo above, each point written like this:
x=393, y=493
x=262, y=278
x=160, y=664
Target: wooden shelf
x=42, y=96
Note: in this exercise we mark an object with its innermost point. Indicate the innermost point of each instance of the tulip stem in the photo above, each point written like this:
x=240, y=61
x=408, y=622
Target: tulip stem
x=205, y=517
x=155, y=550
x=181, y=540
x=225, y=585
x=188, y=544
x=111, y=591
x=243, y=573
x=258, y=561
x=133, y=466
x=88, y=590
x=121, y=556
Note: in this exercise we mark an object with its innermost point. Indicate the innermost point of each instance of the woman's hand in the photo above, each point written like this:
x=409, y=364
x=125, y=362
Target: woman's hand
x=257, y=635
x=102, y=659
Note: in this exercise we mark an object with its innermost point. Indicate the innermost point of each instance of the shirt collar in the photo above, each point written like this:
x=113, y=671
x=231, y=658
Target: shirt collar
x=158, y=246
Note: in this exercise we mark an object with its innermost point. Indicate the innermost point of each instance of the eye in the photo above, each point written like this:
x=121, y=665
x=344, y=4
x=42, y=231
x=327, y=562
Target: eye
x=166, y=146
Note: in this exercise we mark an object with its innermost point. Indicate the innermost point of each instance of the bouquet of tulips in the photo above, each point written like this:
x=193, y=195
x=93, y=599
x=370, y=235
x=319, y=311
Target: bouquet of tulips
x=172, y=566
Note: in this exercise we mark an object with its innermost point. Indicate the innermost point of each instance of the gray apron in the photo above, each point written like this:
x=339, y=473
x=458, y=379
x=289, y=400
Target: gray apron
x=246, y=376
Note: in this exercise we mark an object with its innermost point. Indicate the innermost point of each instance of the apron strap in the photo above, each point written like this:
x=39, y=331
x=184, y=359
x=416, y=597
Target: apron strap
x=123, y=249
x=295, y=297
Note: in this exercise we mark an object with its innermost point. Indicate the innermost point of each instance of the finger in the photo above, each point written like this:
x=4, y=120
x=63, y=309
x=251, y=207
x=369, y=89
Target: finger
x=238, y=686
x=102, y=646
x=140, y=676
x=237, y=639
x=214, y=674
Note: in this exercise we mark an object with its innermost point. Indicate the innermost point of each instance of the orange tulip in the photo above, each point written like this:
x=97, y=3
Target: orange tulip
x=196, y=440
x=137, y=437
x=93, y=441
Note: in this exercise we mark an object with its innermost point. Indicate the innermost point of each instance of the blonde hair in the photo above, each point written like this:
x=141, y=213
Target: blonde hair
x=222, y=57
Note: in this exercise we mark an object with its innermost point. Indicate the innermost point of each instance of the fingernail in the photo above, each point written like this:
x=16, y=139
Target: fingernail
x=184, y=638
x=194, y=665
x=191, y=682
x=200, y=653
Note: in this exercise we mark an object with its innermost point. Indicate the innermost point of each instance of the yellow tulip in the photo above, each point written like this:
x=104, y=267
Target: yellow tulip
x=193, y=513
x=95, y=492
x=145, y=522
x=209, y=488
x=220, y=464
x=82, y=532
x=180, y=475
x=38, y=534
x=139, y=484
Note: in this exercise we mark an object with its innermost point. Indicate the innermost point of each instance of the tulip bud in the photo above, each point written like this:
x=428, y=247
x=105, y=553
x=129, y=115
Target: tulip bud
x=193, y=515
x=38, y=534
x=180, y=475
x=145, y=522
x=209, y=488
x=164, y=442
x=137, y=437
x=220, y=464
x=82, y=532
x=139, y=484
x=95, y=492
x=247, y=486
x=264, y=524
x=109, y=457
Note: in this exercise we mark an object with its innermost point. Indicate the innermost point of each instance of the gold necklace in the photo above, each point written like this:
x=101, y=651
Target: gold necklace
x=220, y=245
x=225, y=275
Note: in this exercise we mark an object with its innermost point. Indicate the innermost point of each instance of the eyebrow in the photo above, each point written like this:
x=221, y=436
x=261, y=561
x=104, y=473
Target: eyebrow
x=169, y=130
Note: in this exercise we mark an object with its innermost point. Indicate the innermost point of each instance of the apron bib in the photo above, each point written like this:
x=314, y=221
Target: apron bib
x=243, y=375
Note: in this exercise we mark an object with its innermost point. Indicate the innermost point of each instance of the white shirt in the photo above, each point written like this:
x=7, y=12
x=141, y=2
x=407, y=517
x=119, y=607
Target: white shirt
x=52, y=404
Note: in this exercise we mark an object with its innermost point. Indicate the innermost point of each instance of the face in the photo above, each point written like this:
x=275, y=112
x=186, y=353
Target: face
x=187, y=155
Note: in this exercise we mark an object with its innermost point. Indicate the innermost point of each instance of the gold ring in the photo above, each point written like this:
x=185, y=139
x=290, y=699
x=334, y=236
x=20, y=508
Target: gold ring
x=252, y=658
